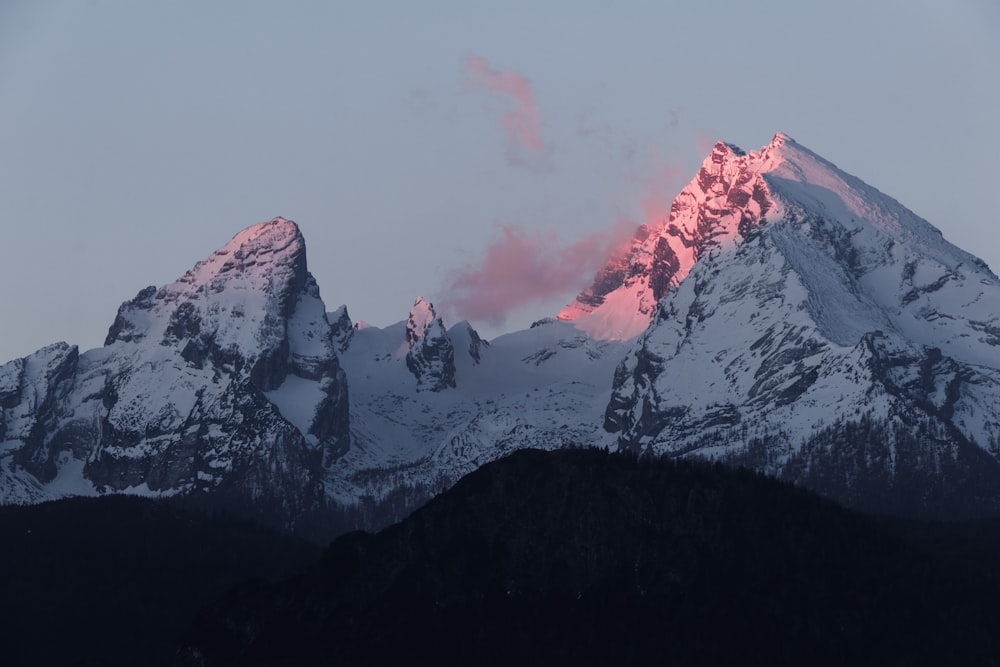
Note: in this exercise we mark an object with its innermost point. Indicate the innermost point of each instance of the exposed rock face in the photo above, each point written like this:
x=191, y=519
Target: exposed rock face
x=430, y=356
x=224, y=385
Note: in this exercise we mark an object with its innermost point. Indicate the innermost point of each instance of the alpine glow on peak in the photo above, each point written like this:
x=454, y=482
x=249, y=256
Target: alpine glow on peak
x=726, y=198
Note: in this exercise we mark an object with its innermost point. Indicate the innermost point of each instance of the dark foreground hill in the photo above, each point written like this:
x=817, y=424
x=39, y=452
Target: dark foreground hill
x=586, y=558
x=115, y=580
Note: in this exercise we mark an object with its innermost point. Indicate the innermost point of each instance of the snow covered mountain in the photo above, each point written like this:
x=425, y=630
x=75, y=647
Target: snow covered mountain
x=224, y=384
x=785, y=316
x=817, y=330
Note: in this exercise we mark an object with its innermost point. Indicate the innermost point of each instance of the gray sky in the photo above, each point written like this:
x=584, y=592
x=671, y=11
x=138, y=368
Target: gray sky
x=404, y=137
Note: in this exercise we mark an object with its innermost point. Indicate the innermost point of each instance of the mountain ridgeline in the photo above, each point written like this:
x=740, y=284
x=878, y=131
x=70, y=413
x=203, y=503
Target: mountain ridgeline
x=783, y=316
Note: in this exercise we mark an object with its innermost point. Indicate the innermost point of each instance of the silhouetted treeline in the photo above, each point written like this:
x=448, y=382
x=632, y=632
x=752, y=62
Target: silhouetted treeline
x=581, y=557
x=114, y=580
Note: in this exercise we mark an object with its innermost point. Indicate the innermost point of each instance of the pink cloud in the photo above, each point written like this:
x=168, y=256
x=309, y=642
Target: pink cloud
x=521, y=124
x=522, y=268
x=660, y=191
x=705, y=143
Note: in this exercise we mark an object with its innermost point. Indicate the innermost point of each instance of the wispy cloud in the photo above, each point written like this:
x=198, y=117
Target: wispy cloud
x=525, y=145
x=705, y=142
x=659, y=191
x=523, y=268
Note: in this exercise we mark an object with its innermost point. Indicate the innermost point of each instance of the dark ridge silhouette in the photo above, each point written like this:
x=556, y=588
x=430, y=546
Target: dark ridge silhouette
x=115, y=580
x=585, y=558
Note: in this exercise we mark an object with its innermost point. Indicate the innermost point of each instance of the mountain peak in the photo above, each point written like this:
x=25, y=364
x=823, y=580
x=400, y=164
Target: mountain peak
x=270, y=231
x=779, y=139
x=256, y=251
x=430, y=354
x=725, y=148
x=221, y=379
x=727, y=199
x=262, y=269
x=733, y=194
x=421, y=318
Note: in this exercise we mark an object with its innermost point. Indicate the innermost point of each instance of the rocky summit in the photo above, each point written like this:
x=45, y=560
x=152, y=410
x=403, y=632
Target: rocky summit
x=224, y=385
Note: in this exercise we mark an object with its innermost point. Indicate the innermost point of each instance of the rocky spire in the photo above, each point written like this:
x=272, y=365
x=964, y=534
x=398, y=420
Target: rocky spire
x=431, y=355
